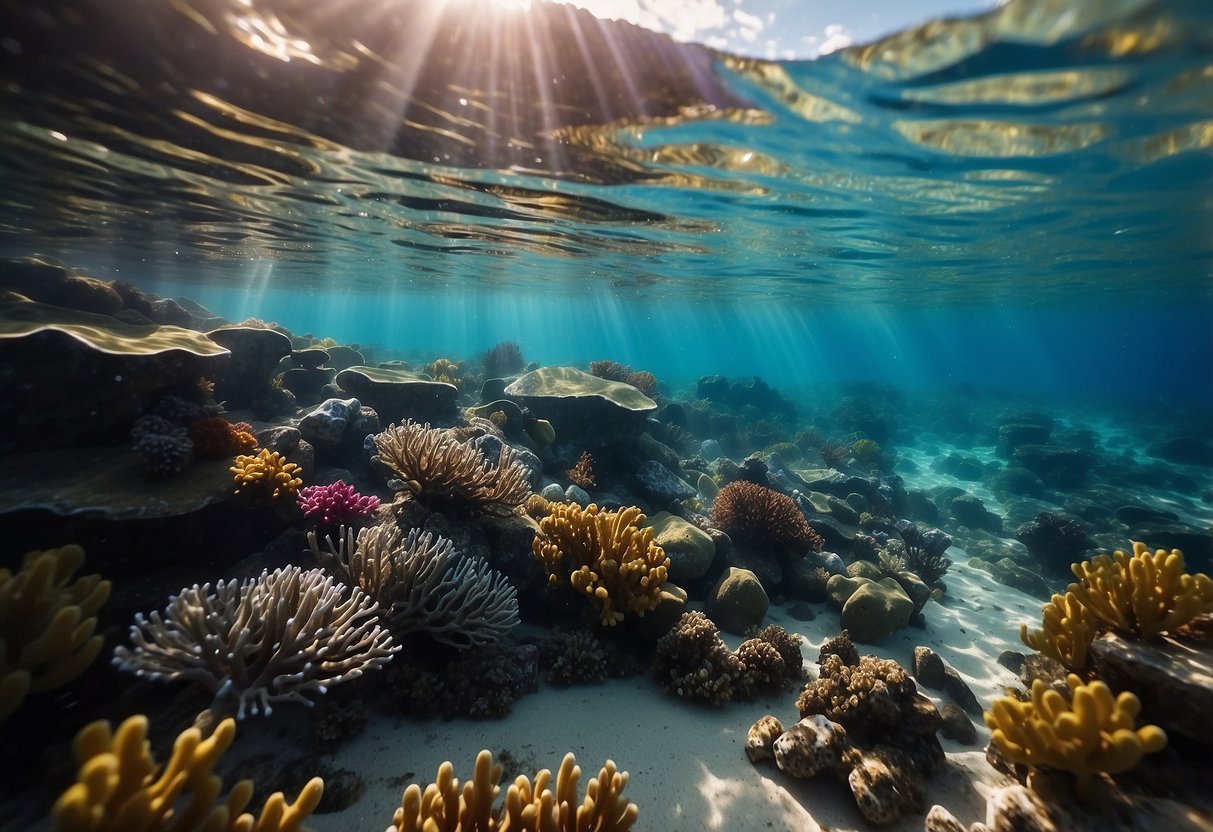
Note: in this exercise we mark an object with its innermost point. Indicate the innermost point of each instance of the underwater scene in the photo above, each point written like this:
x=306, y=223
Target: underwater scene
x=458, y=415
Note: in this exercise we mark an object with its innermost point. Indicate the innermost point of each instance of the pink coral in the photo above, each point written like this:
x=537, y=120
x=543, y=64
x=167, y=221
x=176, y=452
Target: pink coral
x=335, y=503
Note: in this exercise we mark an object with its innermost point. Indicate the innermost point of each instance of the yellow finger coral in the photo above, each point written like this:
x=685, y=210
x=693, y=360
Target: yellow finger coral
x=120, y=789
x=269, y=470
x=606, y=555
x=529, y=807
x=1093, y=733
x=1142, y=594
x=46, y=624
x=1066, y=632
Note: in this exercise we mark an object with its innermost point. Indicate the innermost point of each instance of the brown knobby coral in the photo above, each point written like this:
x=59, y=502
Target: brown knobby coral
x=757, y=516
x=606, y=555
x=435, y=468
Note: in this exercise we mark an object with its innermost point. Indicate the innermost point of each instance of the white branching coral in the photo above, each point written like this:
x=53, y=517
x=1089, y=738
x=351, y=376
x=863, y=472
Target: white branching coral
x=423, y=584
x=276, y=638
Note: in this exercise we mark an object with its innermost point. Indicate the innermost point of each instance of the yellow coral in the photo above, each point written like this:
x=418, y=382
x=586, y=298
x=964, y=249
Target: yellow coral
x=1066, y=632
x=118, y=787
x=529, y=807
x=1142, y=594
x=268, y=469
x=1093, y=733
x=443, y=369
x=611, y=558
x=46, y=624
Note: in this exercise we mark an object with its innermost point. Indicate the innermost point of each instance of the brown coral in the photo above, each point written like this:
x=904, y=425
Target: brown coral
x=758, y=516
x=435, y=468
x=606, y=555
x=582, y=474
x=692, y=660
x=215, y=437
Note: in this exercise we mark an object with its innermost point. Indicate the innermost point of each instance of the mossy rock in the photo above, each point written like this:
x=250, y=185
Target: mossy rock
x=876, y=610
x=586, y=411
x=397, y=395
x=689, y=548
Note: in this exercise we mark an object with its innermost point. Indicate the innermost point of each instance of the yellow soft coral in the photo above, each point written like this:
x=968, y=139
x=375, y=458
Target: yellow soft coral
x=46, y=624
x=1066, y=632
x=268, y=469
x=1093, y=733
x=1142, y=594
x=120, y=789
x=605, y=555
x=529, y=807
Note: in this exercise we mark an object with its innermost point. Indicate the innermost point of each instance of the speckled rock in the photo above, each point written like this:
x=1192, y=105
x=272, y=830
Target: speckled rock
x=886, y=786
x=876, y=610
x=552, y=492
x=760, y=741
x=325, y=426
x=738, y=601
x=661, y=485
x=689, y=548
x=813, y=746
x=939, y=819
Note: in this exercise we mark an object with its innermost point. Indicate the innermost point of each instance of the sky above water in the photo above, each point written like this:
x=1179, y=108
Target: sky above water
x=778, y=29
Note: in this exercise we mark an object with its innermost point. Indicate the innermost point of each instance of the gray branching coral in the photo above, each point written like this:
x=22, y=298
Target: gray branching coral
x=434, y=467
x=423, y=584
x=276, y=638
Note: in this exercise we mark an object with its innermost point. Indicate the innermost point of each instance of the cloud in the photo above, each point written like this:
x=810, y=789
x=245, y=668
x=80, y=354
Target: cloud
x=835, y=37
x=684, y=20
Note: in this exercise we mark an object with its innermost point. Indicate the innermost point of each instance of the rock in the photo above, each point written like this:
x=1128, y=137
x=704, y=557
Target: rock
x=1055, y=540
x=513, y=426
x=1012, y=660
x=714, y=388
x=325, y=426
x=689, y=548
x=341, y=358
x=886, y=786
x=587, y=412
x=256, y=353
x=1016, y=809
x=760, y=741
x=939, y=819
x=660, y=620
x=916, y=588
x=662, y=485
x=397, y=395
x=283, y=439
x=307, y=383
x=1172, y=676
x=710, y=450
x=956, y=725
x=959, y=690
x=1196, y=544
x=965, y=468
x=842, y=587
x=928, y=667
x=810, y=747
x=553, y=493
x=876, y=610
x=105, y=373
x=649, y=448
x=309, y=358
x=577, y=494
x=1008, y=573
x=738, y=601
x=970, y=511
x=1056, y=465
x=1012, y=436
x=1015, y=480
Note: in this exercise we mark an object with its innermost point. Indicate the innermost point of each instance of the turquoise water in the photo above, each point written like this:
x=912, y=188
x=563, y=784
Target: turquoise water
x=1019, y=201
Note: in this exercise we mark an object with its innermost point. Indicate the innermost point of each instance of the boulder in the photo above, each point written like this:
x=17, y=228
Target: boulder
x=876, y=610
x=587, y=412
x=661, y=485
x=689, y=548
x=738, y=601
x=256, y=353
x=397, y=395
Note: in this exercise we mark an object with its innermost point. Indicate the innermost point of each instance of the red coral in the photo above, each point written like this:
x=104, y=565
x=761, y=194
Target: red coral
x=758, y=516
x=216, y=437
x=335, y=503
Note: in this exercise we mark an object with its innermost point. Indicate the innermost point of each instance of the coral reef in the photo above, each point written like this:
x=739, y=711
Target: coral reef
x=1092, y=733
x=1142, y=594
x=436, y=469
x=422, y=584
x=502, y=359
x=1066, y=632
x=276, y=638
x=120, y=788
x=757, y=516
x=605, y=555
x=269, y=471
x=335, y=504
x=445, y=370
x=47, y=623
x=483, y=682
x=215, y=437
x=529, y=806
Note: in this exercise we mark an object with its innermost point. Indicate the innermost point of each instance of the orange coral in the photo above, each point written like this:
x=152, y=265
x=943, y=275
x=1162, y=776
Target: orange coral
x=270, y=470
x=216, y=437
x=758, y=516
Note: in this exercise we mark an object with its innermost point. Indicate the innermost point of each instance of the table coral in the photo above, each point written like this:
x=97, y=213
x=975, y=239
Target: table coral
x=1142, y=594
x=529, y=806
x=120, y=788
x=47, y=624
x=1091, y=733
x=268, y=470
x=276, y=638
x=606, y=555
